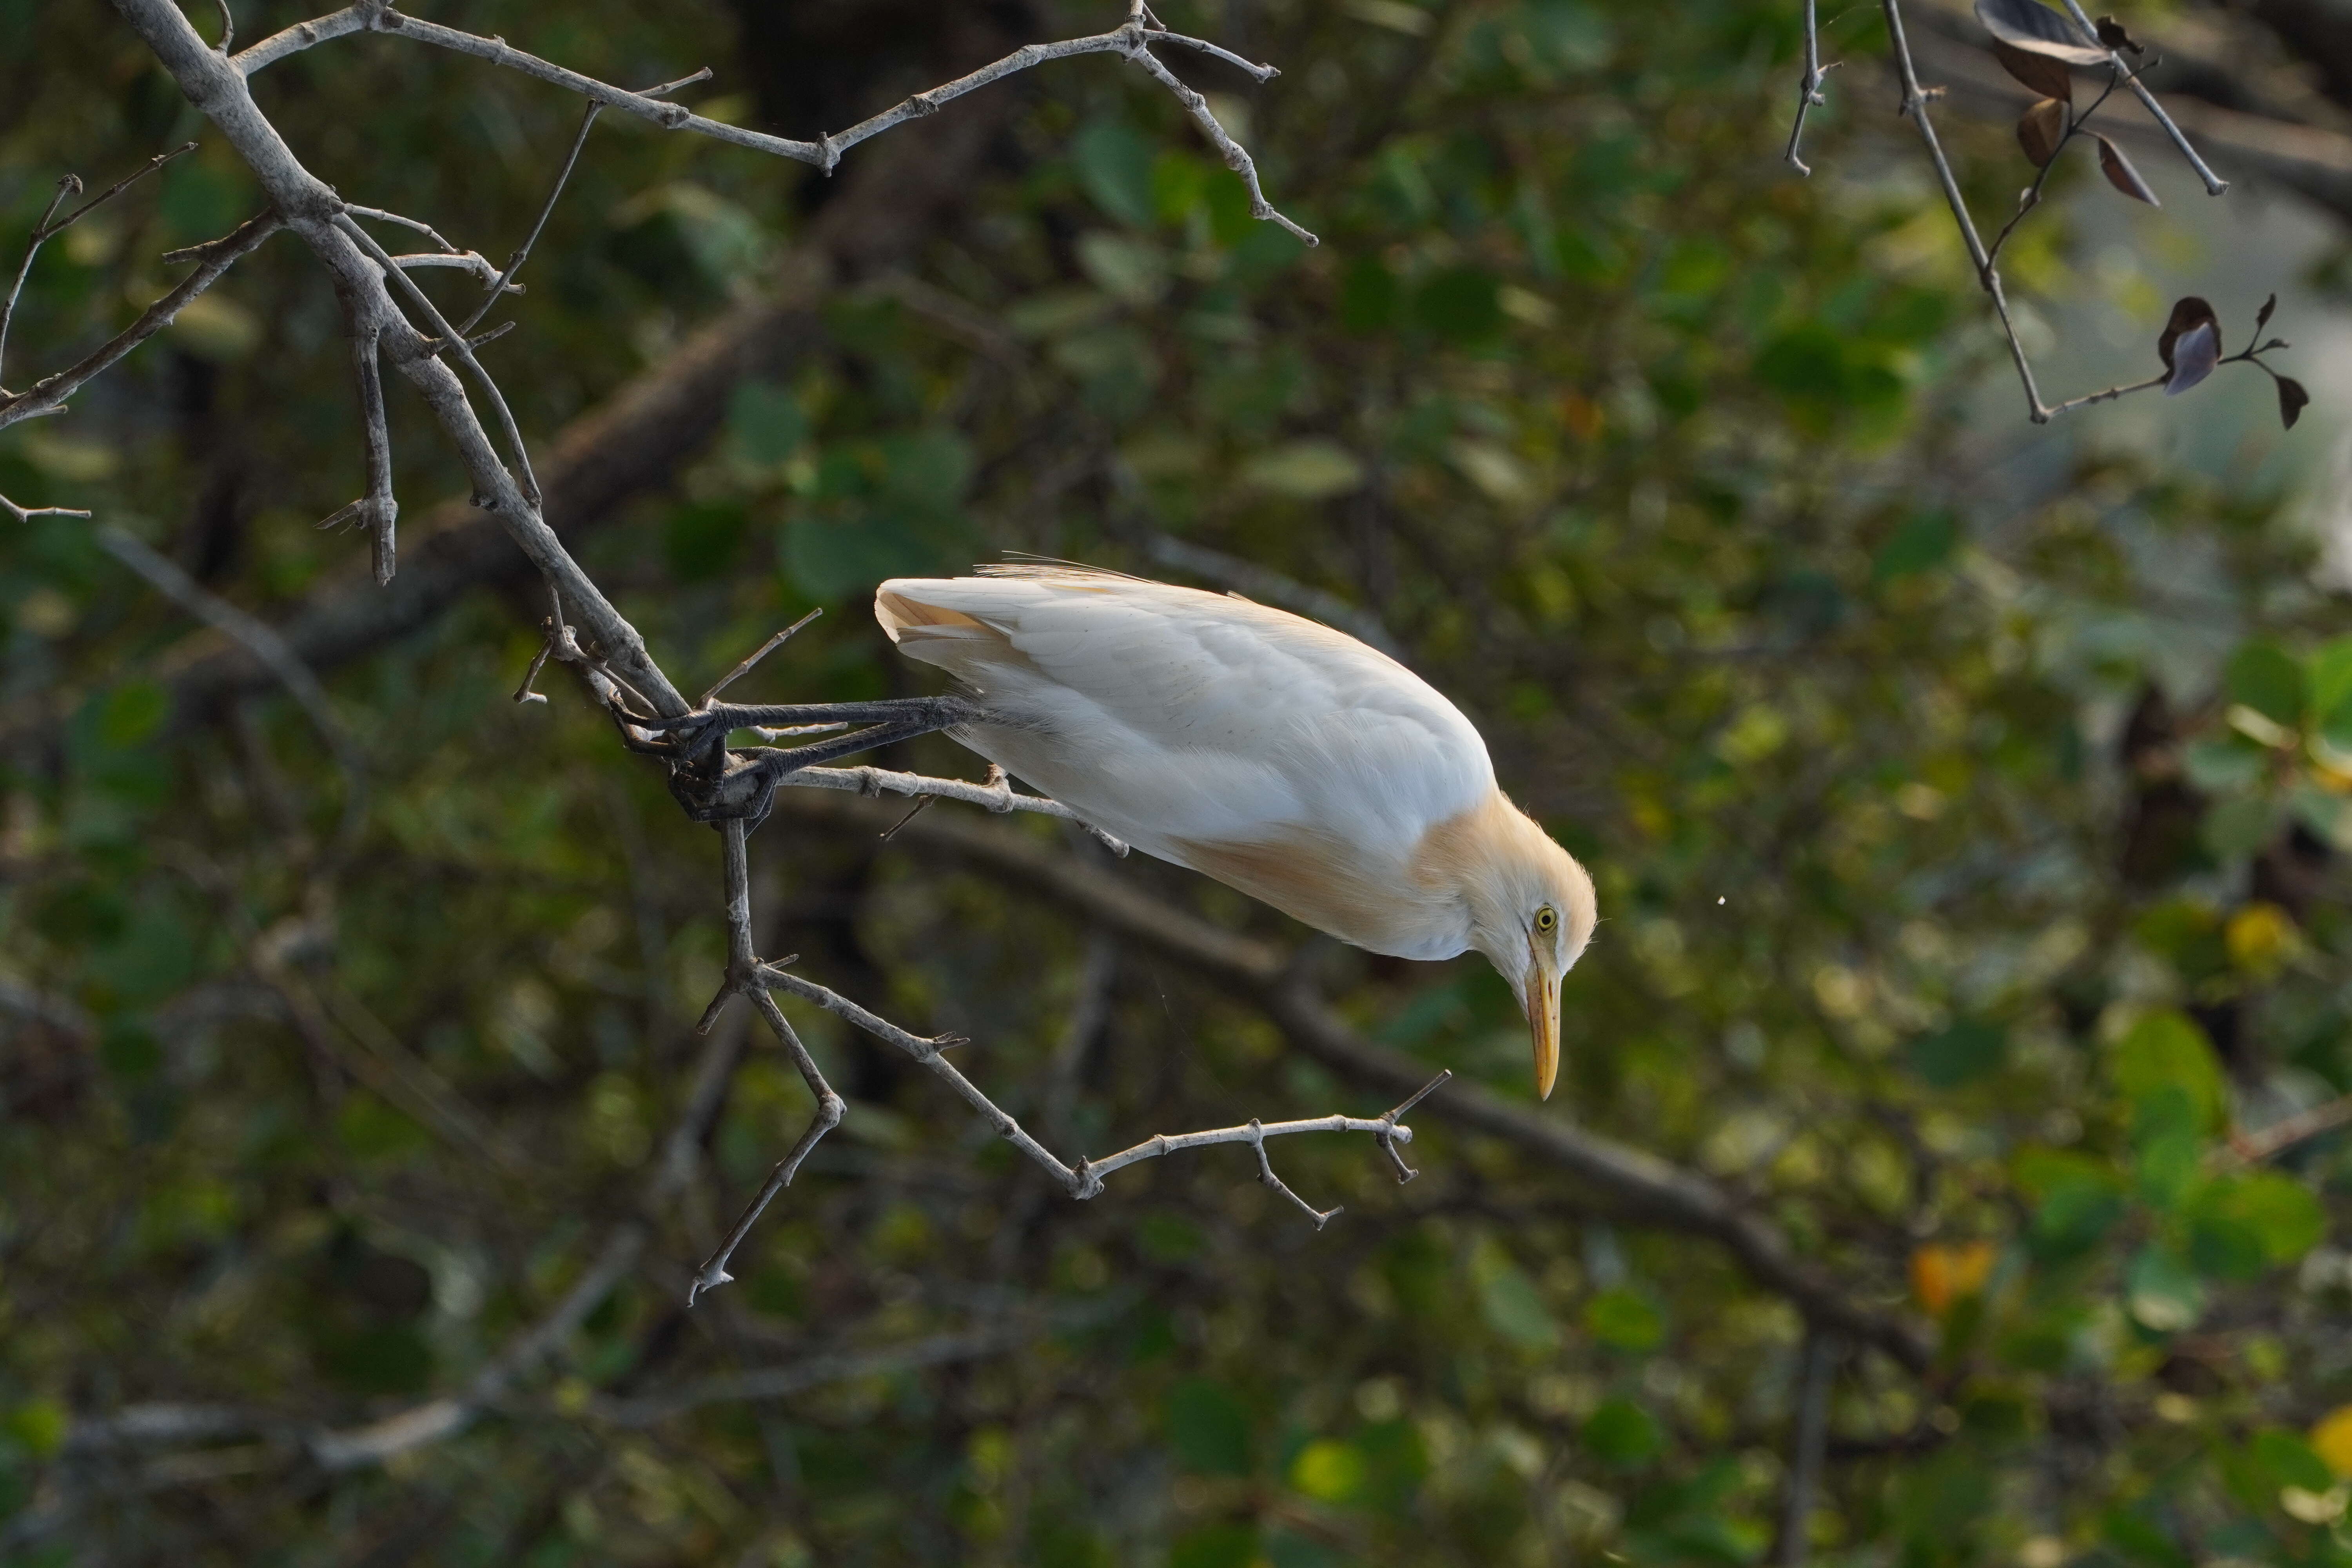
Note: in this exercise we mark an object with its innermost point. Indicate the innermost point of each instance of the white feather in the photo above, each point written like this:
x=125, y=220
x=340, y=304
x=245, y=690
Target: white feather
x=1165, y=715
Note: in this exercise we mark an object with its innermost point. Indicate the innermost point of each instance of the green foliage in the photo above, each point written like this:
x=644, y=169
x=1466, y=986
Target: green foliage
x=1208, y=1429
x=1968, y=831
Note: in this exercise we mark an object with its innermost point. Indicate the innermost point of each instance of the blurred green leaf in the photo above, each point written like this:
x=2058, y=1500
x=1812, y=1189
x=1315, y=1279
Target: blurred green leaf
x=1305, y=470
x=1115, y=167
x=2164, y=1050
x=2263, y=677
x=765, y=424
x=1462, y=303
x=2244, y=1224
x=1921, y=542
x=1215, y=1546
x=39, y=1426
x=1208, y=1428
x=2162, y=1293
x=1626, y=1319
x=2327, y=676
x=1514, y=1309
x=699, y=542
x=1623, y=1435
x=1959, y=1053
x=1328, y=1471
x=2290, y=1460
x=131, y=713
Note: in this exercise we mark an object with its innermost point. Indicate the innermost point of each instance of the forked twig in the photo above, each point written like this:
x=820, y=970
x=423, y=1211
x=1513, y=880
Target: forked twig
x=754, y=657
x=44, y=231
x=1133, y=41
x=213, y=258
x=505, y=279
x=1809, y=91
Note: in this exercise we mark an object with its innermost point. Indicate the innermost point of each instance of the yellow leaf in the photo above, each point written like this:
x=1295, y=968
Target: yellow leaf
x=1328, y=1471
x=2260, y=937
x=1944, y=1274
x=2331, y=1439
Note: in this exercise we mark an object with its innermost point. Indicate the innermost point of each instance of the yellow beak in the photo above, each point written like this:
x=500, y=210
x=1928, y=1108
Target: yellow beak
x=1543, y=1021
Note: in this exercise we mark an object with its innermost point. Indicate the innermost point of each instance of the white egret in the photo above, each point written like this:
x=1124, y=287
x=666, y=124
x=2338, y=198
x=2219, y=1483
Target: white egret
x=1274, y=754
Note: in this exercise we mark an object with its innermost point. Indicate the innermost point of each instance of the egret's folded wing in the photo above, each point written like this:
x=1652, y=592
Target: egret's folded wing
x=1191, y=715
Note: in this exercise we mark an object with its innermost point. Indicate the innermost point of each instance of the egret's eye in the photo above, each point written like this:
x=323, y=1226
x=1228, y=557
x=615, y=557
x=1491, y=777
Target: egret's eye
x=1546, y=920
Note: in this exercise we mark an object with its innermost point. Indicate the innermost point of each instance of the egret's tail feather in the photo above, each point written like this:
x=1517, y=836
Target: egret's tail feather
x=965, y=645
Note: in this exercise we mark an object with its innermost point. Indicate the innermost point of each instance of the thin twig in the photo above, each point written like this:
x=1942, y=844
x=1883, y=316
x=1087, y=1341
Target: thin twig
x=1809, y=91
x=44, y=231
x=1131, y=42
x=1915, y=105
x=754, y=657
x=2109, y=395
x=2252, y=1148
x=2031, y=196
x=456, y=346
x=514, y=263
x=26, y=513
x=870, y=782
x=1085, y=1180
x=1237, y=159
x=378, y=511
x=2214, y=184
x=263, y=642
x=414, y=225
x=48, y=394
x=744, y=977
x=464, y=261
x=68, y=186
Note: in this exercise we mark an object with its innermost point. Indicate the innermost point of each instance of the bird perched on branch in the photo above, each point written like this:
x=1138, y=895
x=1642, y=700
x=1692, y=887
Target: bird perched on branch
x=1274, y=754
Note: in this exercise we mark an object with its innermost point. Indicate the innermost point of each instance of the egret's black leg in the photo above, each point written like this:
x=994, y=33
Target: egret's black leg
x=715, y=785
x=778, y=760
x=927, y=713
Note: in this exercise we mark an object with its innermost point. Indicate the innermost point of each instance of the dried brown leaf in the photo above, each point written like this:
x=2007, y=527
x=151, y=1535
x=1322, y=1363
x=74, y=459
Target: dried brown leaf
x=2041, y=130
x=2293, y=399
x=2122, y=175
x=2045, y=76
x=2111, y=33
x=2037, y=30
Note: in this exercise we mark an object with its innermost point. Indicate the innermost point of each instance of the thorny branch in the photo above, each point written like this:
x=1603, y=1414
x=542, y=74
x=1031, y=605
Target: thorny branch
x=387, y=314
x=1132, y=41
x=749, y=975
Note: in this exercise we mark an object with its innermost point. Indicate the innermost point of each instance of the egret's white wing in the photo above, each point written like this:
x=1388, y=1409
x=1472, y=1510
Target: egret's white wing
x=1175, y=718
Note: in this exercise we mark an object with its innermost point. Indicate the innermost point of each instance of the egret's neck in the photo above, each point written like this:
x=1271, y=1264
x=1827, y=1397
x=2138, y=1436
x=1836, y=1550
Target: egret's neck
x=1501, y=865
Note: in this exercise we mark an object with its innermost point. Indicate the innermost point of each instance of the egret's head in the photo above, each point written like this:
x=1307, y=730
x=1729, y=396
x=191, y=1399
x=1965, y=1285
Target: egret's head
x=1531, y=912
